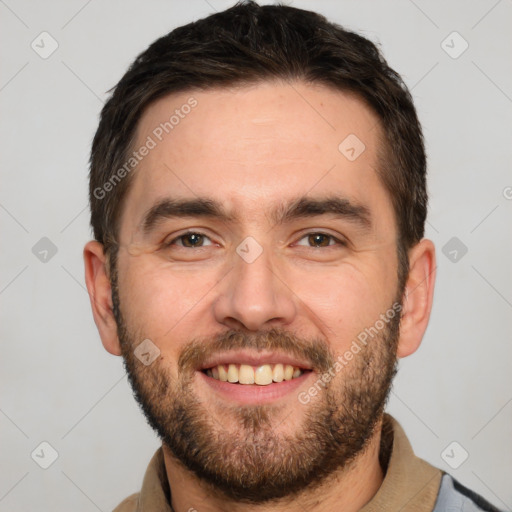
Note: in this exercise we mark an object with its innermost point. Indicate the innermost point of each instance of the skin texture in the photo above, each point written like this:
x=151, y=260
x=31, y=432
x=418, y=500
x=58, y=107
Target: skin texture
x=252, y=149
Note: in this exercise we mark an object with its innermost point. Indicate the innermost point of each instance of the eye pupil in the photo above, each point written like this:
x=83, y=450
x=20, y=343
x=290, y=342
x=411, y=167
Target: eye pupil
x=194, y=237
x=318, y=238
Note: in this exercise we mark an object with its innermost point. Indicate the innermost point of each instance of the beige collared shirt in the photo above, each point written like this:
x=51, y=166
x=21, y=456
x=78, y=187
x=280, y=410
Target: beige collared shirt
x=410, y=483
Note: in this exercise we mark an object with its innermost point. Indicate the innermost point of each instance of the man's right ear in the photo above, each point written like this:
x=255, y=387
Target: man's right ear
x=100, y=294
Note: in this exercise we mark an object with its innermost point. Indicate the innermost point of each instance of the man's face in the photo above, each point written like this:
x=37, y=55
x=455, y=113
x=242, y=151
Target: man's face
x=259, y=288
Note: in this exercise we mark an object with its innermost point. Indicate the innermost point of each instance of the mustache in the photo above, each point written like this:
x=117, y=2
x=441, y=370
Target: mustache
x=315, y=351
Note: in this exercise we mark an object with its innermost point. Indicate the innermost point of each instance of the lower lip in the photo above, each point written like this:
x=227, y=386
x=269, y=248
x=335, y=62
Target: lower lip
x=254, y=393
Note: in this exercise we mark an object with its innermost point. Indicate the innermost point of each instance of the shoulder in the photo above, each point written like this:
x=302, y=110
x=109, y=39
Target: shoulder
x=128, y=504
x=455, y=496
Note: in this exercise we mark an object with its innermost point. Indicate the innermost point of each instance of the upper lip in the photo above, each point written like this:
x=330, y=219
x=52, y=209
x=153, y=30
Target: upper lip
x=254, y=359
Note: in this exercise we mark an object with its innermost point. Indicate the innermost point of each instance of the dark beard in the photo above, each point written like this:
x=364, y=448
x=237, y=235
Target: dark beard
x=253, y=463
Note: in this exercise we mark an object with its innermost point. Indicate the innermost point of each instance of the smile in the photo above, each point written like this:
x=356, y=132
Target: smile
x=262, y=375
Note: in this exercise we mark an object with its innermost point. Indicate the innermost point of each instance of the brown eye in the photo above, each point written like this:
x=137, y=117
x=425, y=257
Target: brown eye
x=319, y=240
x=190, y=240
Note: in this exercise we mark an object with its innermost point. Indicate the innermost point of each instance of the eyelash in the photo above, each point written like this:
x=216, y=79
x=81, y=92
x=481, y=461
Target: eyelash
x=332, y=237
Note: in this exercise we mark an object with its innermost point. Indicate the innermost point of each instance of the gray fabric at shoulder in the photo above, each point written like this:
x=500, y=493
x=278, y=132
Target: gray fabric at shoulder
x=128, y=504
x=454, y=497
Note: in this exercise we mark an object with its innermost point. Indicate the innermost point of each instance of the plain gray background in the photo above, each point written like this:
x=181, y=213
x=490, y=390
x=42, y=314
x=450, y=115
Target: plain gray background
x=59, y=386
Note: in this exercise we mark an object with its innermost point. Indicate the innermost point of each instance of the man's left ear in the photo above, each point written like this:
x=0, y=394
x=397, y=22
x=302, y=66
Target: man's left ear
x=418, y=296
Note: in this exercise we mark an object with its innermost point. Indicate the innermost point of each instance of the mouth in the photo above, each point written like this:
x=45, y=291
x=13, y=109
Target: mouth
x=254, y=378
x=261, y=375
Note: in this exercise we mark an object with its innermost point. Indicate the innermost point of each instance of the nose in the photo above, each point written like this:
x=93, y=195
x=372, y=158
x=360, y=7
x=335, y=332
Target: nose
x=254, y=296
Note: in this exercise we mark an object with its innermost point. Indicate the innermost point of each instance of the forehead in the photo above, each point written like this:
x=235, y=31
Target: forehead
x=253, y=146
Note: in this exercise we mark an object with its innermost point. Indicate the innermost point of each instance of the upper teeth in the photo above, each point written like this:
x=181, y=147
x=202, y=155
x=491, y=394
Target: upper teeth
x=261, y=375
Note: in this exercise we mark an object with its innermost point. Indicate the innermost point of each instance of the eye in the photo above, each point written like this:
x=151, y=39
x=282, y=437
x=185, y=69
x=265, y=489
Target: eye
x=189, y=240
x=318, y=240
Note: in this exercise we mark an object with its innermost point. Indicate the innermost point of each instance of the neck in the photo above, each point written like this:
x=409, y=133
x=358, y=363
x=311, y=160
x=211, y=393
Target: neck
x=348, y=490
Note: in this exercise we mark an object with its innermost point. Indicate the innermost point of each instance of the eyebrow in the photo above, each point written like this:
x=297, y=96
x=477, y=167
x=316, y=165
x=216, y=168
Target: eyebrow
x=298, y=208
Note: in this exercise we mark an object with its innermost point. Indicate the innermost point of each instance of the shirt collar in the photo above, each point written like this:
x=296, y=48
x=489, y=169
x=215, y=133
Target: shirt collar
x=155, y=494
x=410, y=483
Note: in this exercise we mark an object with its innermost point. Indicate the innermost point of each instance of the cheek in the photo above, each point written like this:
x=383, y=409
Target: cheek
x=337, y=296
x=162, y=302
x=343, y=300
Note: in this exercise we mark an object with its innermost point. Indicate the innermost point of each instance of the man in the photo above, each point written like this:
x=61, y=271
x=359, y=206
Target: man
x=258, y=202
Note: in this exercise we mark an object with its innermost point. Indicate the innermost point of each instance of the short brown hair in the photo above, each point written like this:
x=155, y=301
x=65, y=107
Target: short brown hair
x=246, y=44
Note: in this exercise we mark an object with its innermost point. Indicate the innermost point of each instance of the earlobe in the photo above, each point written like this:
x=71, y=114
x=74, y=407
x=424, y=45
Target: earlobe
x=418, y=297
x=100, y=295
